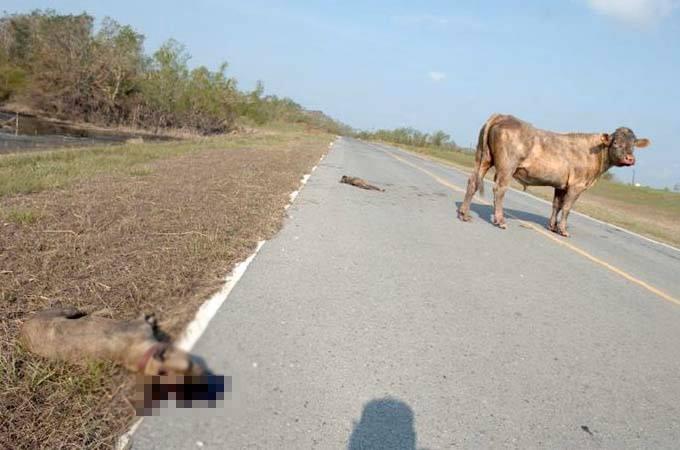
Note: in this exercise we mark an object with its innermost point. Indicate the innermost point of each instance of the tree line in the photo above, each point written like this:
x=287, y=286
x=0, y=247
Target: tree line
x=411, y=136
x=65, y=67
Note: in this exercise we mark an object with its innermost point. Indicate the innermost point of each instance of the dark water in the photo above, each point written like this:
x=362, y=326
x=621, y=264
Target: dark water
x=35, y=134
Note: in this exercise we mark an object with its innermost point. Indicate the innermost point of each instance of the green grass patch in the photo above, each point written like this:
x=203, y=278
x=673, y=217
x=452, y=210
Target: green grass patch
x=666, y=201
x=35, y=172
x=20, y=216
x=457, y=157
x=140, y=171
x=27, y=173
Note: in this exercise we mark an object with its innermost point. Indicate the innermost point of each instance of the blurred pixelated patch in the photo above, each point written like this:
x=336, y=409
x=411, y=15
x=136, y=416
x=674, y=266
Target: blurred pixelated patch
x=202, y=391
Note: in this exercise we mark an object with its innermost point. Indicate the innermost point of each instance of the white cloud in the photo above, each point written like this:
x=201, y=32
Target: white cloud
x=638, y=12
x=436, y=76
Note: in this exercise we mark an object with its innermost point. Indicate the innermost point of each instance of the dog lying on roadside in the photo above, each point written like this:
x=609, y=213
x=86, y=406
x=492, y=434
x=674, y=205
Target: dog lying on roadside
x=358, y=182
x=77, y=337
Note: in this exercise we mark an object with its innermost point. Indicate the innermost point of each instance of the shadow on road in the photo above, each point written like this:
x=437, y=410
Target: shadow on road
x=485, y=212
x=386, y=423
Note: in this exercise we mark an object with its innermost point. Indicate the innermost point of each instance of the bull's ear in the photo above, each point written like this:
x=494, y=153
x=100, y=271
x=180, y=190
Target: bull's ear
x=606, y=139
x=641, y=143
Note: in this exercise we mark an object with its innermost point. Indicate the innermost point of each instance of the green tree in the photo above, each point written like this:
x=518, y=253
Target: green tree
x=117, y=67
x=62, y=66
x=439, y=139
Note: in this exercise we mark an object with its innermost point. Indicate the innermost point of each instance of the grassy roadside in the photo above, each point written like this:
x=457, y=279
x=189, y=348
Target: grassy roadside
x=26, y=173
x=147, y=227
x=651, y=212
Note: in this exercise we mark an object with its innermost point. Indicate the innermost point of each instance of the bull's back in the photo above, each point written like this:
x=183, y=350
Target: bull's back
x=540, y=157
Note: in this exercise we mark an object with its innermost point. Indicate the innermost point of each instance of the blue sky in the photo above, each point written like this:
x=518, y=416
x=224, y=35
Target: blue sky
x=570, y=65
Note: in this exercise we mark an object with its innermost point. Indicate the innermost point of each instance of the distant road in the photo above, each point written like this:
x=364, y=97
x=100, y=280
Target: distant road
x=378, y=318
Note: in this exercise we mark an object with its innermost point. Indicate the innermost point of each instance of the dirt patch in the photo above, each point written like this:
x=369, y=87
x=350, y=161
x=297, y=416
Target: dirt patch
x=158, y=240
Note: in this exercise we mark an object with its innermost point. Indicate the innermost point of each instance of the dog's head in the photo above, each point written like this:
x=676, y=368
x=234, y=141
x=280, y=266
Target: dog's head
x=169, y=360
x=169, y=373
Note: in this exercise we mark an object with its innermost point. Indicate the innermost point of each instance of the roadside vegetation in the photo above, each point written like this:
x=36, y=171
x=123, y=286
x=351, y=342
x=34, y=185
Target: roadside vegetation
x=126, y=229
x=62, y=66
x=27, y=173
x=411, y=137
x=138, y=227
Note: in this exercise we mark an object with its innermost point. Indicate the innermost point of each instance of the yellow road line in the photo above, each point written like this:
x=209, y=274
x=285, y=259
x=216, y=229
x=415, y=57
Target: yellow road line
x=549, y=235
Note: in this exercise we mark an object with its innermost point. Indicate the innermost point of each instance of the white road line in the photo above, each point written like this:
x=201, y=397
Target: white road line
x=208, y=309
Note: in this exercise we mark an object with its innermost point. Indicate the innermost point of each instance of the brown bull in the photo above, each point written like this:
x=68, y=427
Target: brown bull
x=569, y=162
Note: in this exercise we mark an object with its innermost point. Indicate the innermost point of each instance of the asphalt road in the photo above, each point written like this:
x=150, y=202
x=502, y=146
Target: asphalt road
x=378, y=320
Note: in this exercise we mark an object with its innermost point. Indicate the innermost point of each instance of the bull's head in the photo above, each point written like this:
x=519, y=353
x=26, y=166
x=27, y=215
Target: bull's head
x=621, y=144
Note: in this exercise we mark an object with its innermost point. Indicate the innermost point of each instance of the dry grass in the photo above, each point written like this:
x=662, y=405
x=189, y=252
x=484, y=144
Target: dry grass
x=25, y=173
x=651, y=212
x=150, y=228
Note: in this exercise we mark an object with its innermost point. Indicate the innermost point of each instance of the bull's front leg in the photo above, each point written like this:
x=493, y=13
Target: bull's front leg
x=558, y=201
x=569, y=199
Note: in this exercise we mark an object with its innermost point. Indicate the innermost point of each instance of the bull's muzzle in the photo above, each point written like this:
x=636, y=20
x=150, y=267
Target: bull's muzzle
x=628, y=160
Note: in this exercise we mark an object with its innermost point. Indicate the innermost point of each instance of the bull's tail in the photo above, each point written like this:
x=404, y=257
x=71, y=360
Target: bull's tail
x=483, y=150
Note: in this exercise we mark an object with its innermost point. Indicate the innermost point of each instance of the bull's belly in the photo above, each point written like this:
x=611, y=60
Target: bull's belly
x=528, y=178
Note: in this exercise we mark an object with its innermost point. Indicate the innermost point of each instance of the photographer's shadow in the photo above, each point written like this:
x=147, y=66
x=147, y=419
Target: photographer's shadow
x=385, y=423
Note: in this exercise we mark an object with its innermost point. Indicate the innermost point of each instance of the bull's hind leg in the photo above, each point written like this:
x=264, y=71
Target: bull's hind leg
x=502, y=184
x=476, y=177
x=464, y=210
x=558, y=201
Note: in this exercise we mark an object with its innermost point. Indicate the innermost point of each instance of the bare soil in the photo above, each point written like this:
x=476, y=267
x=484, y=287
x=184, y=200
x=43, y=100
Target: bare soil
x=159, y=240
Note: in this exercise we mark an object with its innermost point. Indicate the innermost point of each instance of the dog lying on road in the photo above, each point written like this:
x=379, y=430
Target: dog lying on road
x=358, y=182
x=76, y=337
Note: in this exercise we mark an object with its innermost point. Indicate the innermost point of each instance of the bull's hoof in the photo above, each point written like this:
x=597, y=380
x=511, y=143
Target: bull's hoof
x=464, y=217
x=552, y=228
x=563, y=233
x=499, y=223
